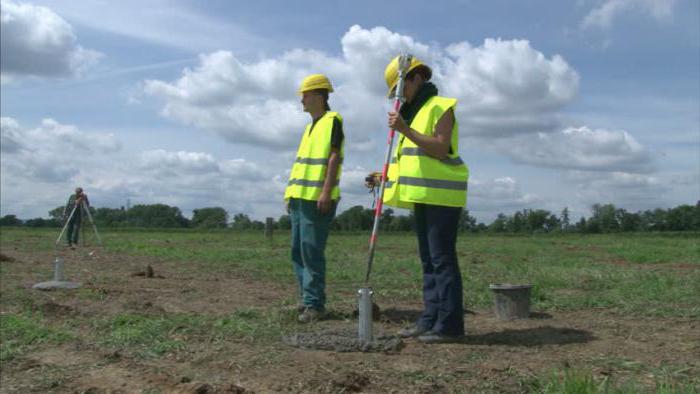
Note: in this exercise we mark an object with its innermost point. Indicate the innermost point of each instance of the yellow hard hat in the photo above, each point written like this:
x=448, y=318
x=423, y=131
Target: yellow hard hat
x=313, y=82
x=391, y=72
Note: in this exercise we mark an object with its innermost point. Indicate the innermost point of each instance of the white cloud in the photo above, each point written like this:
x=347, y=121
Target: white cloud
x=35, y=41
x=499, y=194
x=178, y=162
x=504, y=88
x=52, y=152
x=168, y=23
x=632, y=191
x=10, y=135
x=581, y=148
x=41, y=166
x=604, y=15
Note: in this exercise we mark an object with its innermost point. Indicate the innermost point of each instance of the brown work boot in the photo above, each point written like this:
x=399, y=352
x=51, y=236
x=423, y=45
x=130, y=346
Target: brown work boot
x=413, y=331
x=310, y=314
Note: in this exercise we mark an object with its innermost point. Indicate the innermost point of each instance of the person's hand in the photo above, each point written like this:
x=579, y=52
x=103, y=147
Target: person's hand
x=397, y=123
x=324, y=202
x=373, y=179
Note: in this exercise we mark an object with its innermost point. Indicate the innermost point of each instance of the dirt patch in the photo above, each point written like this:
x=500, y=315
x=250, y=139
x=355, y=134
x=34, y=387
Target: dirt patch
x=350, y=382
x=496, y=356
x=343, y=341
x=52, y=309
x=6, y=258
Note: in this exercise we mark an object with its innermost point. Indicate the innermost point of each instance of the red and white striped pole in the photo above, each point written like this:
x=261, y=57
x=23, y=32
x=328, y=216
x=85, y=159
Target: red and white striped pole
x=404, y=63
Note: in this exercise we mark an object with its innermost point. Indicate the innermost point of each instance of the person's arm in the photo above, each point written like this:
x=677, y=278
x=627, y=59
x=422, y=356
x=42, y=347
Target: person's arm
x=324, y=200
x=437, y=145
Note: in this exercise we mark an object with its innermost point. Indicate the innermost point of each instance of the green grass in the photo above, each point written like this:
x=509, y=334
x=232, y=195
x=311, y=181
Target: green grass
x=149, y=336
x=21, y=332
x=639, y=273
x=577, y=381
x=629, y=274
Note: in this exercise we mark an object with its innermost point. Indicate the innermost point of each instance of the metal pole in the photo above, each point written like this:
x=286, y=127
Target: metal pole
x=404, y=63
x=87, y=209
x=65, y=226
x=364, y=330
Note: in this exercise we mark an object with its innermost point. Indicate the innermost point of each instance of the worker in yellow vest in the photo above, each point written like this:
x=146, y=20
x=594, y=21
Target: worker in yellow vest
x=312, y=194
x=427, y=175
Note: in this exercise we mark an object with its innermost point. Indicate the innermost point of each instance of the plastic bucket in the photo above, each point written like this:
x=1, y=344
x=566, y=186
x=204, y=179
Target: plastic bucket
x=511, y=301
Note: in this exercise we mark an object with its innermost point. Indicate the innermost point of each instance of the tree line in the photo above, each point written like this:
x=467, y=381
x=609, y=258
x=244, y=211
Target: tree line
x=605, y=218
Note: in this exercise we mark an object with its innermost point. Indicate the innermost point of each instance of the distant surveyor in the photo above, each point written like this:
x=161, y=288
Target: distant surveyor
x=312, y=194
x=73, y=214
x=428, y=176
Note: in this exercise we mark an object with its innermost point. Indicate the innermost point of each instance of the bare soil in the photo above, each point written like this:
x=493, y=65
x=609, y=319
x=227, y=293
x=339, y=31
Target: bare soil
x=497, y=356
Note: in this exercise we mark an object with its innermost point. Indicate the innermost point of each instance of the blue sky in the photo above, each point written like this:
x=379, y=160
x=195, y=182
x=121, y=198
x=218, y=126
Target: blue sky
x=189, y=103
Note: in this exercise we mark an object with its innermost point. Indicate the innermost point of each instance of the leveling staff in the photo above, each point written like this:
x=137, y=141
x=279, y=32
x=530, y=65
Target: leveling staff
x=427, y=175
x=312, y=194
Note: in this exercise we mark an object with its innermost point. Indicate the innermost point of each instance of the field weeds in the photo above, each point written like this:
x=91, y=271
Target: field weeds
x=614, y=314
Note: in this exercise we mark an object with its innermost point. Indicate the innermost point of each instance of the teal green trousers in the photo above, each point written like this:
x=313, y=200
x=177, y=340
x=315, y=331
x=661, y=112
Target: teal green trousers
x=309, y=234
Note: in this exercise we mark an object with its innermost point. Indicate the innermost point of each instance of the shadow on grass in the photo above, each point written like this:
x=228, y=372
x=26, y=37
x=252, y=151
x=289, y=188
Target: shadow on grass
x=536, y=336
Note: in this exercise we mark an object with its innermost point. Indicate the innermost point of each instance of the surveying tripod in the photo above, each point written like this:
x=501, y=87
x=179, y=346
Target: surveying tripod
x=85, y=212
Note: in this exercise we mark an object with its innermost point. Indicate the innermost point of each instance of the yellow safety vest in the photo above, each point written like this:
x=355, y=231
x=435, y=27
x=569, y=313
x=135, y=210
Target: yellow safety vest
x=309, y=169
x=415, y=177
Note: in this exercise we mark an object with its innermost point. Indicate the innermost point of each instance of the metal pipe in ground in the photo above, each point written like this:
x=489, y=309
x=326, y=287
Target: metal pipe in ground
x=364, y=331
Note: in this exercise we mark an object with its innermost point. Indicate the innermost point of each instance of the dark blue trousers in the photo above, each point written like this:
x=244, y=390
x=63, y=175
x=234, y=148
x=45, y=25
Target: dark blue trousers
x=436, y=227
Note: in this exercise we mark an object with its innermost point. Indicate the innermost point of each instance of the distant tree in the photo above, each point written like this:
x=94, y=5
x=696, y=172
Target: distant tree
x=402, y=223
x=683, y=218
x=10, y=220
x=630, y=222
x=284, y=223
x=654, y=220
x=605, y=218
x=156, y=215
x=215, y=217
x=354, y=219
x=41, y=222
x=499, y=225
x=57, y=213
x=467, y=222
x=241, y=221
x=565, y=220
x=109, y=217
x=581, y=225
x=257, y=225
x=386, y=219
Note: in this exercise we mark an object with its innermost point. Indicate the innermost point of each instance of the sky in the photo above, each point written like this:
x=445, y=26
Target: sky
x=193, y=104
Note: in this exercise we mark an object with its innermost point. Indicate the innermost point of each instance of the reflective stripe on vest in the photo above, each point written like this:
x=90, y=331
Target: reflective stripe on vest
x=420, y=152
x=306, y=160
x=304, y=182
x=309, y=169
x=416, y=177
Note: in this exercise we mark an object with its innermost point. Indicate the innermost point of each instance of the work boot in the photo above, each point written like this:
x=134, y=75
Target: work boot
x=310, y=314
x=412, y=331
x=434, y=337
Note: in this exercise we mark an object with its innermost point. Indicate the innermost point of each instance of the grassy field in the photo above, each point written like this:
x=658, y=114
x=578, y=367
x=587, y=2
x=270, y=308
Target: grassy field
x=623, y=309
